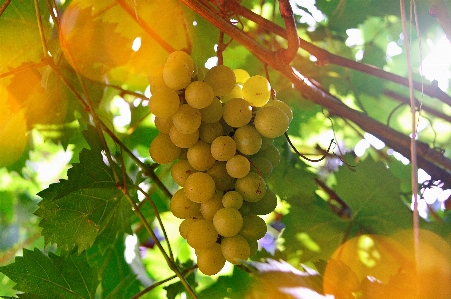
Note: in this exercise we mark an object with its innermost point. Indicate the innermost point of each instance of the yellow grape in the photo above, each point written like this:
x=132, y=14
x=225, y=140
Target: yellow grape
x=164, y=102
x=235, y=249
x=186, y=119
x=236, y=92
x=241, y=75
x=163, y=150
x=283, y=106
x=200, y=157
x=199, y=94
x=156, y=80
x=163, y=124
x=223, y=180
x=209, y=208
x=210, y=260
x=210, y=131
x=182, y=207
x=221, y=78
x=213, y=112
x=252, y=187
x=232, y=199
x=183, y=140
x=223, y=148
x=180, y=171
x=271, y=121
x=178, y=70
x=237, y=112
x=228, y=222
x=201, y=234
x=257, y=90
x=238, y=166
x=248, y=140
x=186, y=223
x=199, y=187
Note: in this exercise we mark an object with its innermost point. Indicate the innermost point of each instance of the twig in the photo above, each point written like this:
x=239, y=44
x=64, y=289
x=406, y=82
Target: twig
x=41, y=28
x=287, y=55
x=4, y=6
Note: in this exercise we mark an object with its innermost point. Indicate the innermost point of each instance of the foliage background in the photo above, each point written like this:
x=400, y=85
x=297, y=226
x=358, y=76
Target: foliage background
x=73, y=75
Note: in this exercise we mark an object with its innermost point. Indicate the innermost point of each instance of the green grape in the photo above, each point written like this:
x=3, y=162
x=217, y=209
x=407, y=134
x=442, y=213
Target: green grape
x=223, y=148
x=164, y=102
x=257, y=90
x=235, y=249
x=266, y=142
x=228, y=222
x=186, y=223
x=210, y=131
x=238, y=166
x=201, y=234
x=261, y=166
x=186, y=119
x=248, y=140
x=271, y=153
x=271, y=121
x=223, y=180
x=162, y=150
x=221, y=78
x=253, y=246
x=283, y=106
x=199, y=94
x=210, y=207
x=254, y=227
x=199, y=187
x=199, y=156
x=183, y=140
x=237, y=92
x=237, y=112
x=265, y=205
x=213, y=112
x=163, y=124
x=178, y=70
x=182, y=207
x=252, y=187
x=241, y=75
x=210, y=260
x=232, y=199
x=180, y=171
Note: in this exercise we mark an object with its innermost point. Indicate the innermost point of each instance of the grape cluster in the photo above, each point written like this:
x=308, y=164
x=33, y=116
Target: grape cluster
x=219, y=128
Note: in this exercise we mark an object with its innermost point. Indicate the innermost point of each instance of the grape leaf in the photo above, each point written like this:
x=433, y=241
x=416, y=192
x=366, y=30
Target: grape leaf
x=40, y=276
x=87, y=205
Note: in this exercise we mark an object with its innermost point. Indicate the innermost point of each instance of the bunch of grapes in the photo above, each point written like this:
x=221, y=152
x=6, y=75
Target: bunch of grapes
x=219, y=128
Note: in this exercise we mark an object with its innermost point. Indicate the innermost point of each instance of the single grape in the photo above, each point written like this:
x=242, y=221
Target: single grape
x=178, y=70
x=257, y=90
x=186, y=223
x=210, y=131
x=221, y=78
x=238, y=166
x=237, y=112
x=223, y=180
x=254, y=227
x=248, y=140
x=271, y=121
x=182, y=207
x=199, y=187
x=232, y=199
x=199, y=156
x=164, y=102
x=283, y=106
x=235, y=249
x=186, y=119
x=241, y=75
x=265, y=205
x=199, y=94
x=210, y=260
x=223, y=148
x=180, y=171
x=201, y=234
x=271, y=153
x=210, y=207
x=184, y=58
x=183, y=140
x=261, y=166
x=228, y=222
x=213, y=112
x=162, y=150
x=163, y=124
x=252, y=187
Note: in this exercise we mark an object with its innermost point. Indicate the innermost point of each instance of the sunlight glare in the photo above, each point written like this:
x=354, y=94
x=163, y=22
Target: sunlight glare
x=130, y=244
x=436, y=65
x=136, y=44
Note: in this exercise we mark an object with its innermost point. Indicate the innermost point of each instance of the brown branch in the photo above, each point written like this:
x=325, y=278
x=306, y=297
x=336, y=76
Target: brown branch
x=286, y=12
x=4, y=6
x=324, y=57
x=439, y=11
x=430, y=160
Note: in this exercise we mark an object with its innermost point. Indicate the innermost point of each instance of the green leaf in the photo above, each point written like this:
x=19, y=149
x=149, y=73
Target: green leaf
x=40, y=276
x=234, y=287
x=87, y=205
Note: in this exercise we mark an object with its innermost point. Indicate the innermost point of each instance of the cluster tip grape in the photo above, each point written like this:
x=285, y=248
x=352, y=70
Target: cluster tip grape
x=217, y=128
